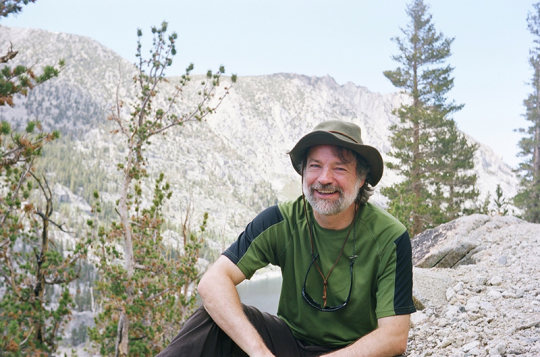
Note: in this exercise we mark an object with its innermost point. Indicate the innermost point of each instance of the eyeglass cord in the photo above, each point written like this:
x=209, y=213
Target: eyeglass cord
x=351, y=258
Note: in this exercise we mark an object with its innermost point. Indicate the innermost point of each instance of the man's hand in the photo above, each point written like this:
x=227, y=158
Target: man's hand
x=390, y=339
x=220, y=298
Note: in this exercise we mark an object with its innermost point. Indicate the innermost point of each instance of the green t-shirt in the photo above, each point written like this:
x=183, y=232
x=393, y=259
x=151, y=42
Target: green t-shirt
x=382, y=272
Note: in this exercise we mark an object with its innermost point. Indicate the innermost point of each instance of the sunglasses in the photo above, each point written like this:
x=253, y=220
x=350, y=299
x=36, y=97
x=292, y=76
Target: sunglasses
x=315, y=304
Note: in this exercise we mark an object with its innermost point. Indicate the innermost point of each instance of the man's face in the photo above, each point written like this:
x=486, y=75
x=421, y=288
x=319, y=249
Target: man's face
x=330, y=185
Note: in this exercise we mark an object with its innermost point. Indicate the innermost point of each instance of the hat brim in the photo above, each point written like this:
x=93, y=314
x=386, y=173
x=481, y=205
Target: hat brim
x=369, y=153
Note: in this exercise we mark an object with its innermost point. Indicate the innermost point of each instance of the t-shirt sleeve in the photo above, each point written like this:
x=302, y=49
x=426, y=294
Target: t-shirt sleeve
x=395, y=282
x=255, y=246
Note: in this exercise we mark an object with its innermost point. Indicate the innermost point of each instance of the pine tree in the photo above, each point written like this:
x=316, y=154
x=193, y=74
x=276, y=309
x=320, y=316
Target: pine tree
x=528, y=198
x=501, y=203
x=144, y=285
x=452, y=177
x=422, y=140
x=8, y=7
x=31, y=320
x=19, y=79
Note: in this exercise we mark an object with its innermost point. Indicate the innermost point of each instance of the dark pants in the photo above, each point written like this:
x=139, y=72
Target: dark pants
x=200, y=336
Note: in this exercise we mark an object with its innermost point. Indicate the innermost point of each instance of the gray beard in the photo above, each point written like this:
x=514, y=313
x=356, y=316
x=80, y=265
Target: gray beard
x=328, y=207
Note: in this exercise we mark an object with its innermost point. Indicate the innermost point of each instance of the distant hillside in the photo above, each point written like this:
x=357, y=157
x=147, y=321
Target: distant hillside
x=234, y=164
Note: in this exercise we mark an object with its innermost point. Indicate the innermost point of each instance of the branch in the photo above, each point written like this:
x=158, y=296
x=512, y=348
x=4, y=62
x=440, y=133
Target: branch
x=154, y=79
x=19, y=148
x=51, y=339
x=11, y=161
x=5, y=242
x=48, y=197
x=10, y=55
x=39, y=182
x=4, y=275
x=187, y=220
x=16, y=191
x=73, y=260
x=138, y=338
x=175, y=95
x=161, y=303
x=220, y=99
x=59, y=226
x=158, y=295
x=27, y=337
x=38, y=256
x=12, y=277
x=57, y=281
x=118, y=106
x=142, y=267
x=190, y=116
x=156, y=75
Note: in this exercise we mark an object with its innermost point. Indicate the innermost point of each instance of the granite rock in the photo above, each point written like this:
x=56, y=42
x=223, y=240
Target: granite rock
x=482, y=308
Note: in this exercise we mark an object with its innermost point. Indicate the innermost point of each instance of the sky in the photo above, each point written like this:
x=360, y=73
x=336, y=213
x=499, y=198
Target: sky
x=349, y=40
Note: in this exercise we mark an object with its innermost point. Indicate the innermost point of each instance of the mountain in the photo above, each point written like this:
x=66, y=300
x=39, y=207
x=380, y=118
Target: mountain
x=233, y=164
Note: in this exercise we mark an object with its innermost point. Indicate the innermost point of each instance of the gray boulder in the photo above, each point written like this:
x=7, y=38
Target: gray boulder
x=455, y=243
x=429, y=287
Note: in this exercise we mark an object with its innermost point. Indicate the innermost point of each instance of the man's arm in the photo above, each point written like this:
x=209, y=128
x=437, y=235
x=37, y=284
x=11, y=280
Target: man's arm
x=389, y=339
x=220, y=298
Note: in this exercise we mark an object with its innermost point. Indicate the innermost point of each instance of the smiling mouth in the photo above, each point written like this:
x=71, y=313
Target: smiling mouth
x=326, y=190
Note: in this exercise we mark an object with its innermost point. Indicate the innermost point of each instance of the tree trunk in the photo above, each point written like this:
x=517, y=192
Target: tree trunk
x=536, y=156
x=39, y=289
x=415, y=177
x=122, y=337
x=416, y=184
x=124, y=218
x=451, y=204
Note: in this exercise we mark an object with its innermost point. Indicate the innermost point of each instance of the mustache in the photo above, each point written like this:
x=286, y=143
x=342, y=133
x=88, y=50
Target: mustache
x=326, y=187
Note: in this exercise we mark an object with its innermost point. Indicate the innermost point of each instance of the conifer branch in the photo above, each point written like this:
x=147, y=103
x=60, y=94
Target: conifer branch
x=27, y=336
x=9, y=55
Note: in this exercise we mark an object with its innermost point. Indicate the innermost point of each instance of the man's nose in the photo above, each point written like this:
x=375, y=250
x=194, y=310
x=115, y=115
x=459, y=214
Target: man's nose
x=326, y=176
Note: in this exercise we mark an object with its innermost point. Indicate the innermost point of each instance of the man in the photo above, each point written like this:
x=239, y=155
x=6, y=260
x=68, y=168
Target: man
x=346, y=266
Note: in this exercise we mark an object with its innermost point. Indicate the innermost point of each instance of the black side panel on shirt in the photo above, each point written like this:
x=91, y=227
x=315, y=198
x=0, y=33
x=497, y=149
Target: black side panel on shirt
x=262, y=222
x=403, y=303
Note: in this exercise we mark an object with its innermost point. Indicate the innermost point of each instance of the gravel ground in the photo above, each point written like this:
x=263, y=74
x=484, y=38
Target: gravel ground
x=491, y=307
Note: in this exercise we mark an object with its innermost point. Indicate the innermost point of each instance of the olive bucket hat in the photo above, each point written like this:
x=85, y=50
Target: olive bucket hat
x=338, y=133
